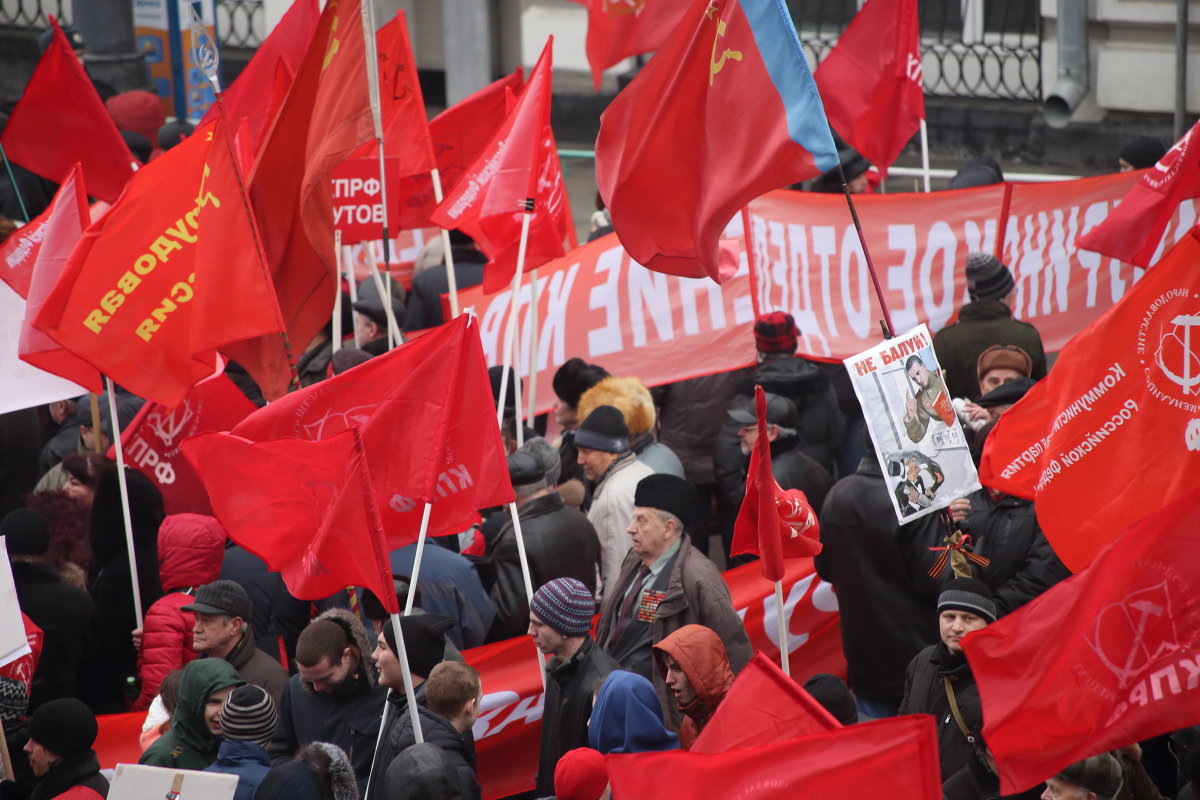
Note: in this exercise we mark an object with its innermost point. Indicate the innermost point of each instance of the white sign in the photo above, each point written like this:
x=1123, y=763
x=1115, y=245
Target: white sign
x=13, y=642
x=138, y=782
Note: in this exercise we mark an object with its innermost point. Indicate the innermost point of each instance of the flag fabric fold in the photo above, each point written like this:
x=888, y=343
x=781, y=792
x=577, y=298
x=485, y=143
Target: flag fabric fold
x=724, y=112
x=618, y=30
x=19, y=252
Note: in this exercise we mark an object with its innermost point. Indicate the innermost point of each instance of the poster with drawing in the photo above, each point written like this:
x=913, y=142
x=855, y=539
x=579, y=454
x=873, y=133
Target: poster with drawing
x=918, y=439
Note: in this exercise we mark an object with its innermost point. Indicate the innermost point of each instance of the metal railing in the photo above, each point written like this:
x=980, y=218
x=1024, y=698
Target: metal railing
x=33, y=14
x=241, y=23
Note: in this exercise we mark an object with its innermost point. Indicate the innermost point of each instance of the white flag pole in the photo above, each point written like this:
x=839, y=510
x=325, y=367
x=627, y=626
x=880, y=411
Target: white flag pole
x=116, y=431
x=337, y=289
x=781, y=621
x=525, y=574
x=408, y=684
x=533, y=343
x=510, y=336
x=416, y=570
x=448, y=255
x=925, y=153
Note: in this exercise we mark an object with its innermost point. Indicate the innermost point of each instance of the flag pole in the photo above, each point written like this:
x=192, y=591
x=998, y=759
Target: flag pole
x=337, y=288
x=402, y=656
x=533, y=343
x=352, y=283
x=416, y=570
x=925, y=153
x=516, y=521
x=383, y=726
x=510, y=336
x=781, y=621
x=385, y=297
x=448, y=254
x=116, y=431
x=889, y=329
x=95, y=403
x=518, y=411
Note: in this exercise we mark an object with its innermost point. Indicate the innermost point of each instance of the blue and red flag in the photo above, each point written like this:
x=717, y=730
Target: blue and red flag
x=727, y=110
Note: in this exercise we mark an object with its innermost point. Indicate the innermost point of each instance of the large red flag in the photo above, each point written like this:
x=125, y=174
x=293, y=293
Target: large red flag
x=519, y=164
x=899, y=754
x=618, y=29
x=325, y=118
x=763, y=706
x=1123, y=397
x=772, y=524
x=428, y=424
x=307, y=508
x=60, y=120
x=1133, y=231
x=1108, y=657
x=725, y=111
x=65, y=221
x=167, y=277
x=871, y=80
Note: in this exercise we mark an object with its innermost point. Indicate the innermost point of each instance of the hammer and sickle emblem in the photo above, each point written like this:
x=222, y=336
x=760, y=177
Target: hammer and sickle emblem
x=717, y=64
x=334, y=44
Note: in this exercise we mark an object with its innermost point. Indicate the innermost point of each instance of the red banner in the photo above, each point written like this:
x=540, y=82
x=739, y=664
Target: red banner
x=357, y=199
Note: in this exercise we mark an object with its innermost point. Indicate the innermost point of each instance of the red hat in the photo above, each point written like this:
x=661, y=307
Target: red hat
x=580, y=775
x=776, y=333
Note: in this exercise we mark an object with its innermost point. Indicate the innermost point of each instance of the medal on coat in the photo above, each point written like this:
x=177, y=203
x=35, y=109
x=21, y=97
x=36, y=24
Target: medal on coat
x=647, y=607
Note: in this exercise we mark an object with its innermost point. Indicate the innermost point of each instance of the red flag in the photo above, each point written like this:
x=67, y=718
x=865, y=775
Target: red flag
x=899, y=753
x=19, y=252
x=763, y=706
x=429, y=429
x=65, y=221
x=711, y=123
x=167, y=277
x=60, y=120
x=520, y=163
x=326, y=117
x=307, y=508
x=772, y=524
x=618, y=29
x=1122, y=397
x=871, y=80
x=153, y=440
x=1133, y=231
x=1108, y=657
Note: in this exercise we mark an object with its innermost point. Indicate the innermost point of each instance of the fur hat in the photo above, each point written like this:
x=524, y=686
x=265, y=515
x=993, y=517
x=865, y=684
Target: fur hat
x=668, y=493
x=574, y=378
x=603, y=429
x=1003, y=356
x=987, y=277
x=1100, y=774
x=629, y=395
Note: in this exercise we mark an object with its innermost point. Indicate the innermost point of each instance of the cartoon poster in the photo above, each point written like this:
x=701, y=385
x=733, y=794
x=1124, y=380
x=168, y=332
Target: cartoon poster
x=918, y=439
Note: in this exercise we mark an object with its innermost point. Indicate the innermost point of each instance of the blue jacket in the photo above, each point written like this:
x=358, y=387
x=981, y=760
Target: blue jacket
x=449, y=586
x=247, y=760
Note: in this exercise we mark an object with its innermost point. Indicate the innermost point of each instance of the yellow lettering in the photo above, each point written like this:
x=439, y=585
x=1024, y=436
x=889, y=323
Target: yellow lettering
x=145, y=264
x=128, y=282
x=192, y=219
x=112, y=301
x=179, y=231
x=181, y=292
x=95, y=321
x=162, y=247
x=146, y=329
x=160, y=313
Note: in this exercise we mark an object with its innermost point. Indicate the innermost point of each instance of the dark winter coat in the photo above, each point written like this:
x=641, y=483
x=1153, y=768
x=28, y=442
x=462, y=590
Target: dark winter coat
x=925, y=693
x=981, y=324
x=248, y=760
x=450, y=586
x=792, y=470
x=559, y=543
x=568, y=706
x=64, y=614
x=885, y=620
x=320, y=771
x=276, y=613
x=74, y=778
x=458, y=749
x=690, y=415
x=424, y=305
x=188, y=743
x=257, y=667
x=390, y=744
x=805, y=384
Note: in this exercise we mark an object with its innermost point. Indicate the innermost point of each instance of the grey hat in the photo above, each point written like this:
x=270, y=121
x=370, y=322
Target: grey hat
x=1100, y=774
x=222, y=597
x=780, y=411
x=987, y=277
x=546, y=455
x=369, y=305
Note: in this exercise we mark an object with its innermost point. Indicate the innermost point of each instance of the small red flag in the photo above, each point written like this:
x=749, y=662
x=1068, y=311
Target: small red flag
x=307, y=508
x=405, y=125
x=60, y=120
x=167, y=277
x=712, y=122
x=772, y=524
x=871, y=80
x=618, y=30
x=19, y=252
x=520, y=164
x=1108, y=657
x=1133, y=231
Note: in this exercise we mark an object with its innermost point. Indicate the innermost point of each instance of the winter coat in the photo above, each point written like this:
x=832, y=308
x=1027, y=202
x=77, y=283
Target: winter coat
x=568, y=706
x=657, y=456
x=866, y=555
x=804, y=382
x=627, y=717
x=248, y=760
x=981, y=324
x=925, y=693
x=190, y=549
x=20, y=449
x=421, y=772
x=390, y=745
x=458, y=749
x=188, y=743
x=612, y=511
x=691, y=414
x=74, y=778
x=559, y=543
x=317, y=766
x=64, y=613
x=696, y=595
x=257, y=667
x=450, y=586
x=276, y=613
x=423, y=308
x=699, y=653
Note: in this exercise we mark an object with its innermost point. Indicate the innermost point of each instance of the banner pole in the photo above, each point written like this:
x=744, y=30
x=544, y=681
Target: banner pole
x=416, y=570
x=925, y=154
x=887, y=315
x=352, y=284
x=448, y=254
x=371, y=57
x=116, y=432
x=402, y=656
x=519, y=411
x=383, y=724
x=533, y=344
x=385, y=297
x=510, y=336
x=525, y=574
x=781, y=621
x=95, y=403
x=337, y=289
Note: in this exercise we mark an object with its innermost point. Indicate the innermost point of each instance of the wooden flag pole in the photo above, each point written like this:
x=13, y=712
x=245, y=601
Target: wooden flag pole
x=525, y=574
x=416, y=570
x=533, y=344
x=447, y=253
x=889, y=329
x=95, y=402
x=781, y=621
x=116, y=431
x=337, y=290
x=510, y=336
x=925, y=153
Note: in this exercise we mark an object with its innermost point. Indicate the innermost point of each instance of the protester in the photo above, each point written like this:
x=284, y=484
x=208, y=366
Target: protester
x=570, y=381
x=138, y=111
x=61, y=735
x=158, y=717
x=422, y=771
x=69, y=550
x=319, y=771
x=631, y=397
x=1093, y=778
x=247, y=722
x=80, y=473
x=449, y=586
x=580, y=775
x=194, y=738
x=692, y=663
x=996, y=366
x=977, y=780
x=1140, y=152
x=278, y=618
x=372, y=609
x=1004, y=397
x=627, y=717
x=62, y=432
x=424, y=308
x=172, y=133
x=560, y=619
x=834, y=696
x=853, y=172
x=981, y=170
x=790, y=466
x=222, y=630
x=370, y=317
x=315, y=363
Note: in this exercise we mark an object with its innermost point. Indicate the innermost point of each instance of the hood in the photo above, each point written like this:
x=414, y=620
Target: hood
x=191, y=548
x=699, y=651
x=628, y=718
x=788, y=376
x=420, y=772
x=200, y=678
x=629, y=395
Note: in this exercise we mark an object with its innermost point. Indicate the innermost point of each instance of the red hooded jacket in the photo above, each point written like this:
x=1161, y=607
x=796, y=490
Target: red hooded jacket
x=699, y=652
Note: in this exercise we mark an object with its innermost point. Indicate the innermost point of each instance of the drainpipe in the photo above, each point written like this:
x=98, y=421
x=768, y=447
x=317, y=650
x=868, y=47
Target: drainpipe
x=1181, y=46
x=1073, y=75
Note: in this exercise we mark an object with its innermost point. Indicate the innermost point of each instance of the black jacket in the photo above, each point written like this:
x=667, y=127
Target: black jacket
x=568, y=706
x=81, y=769
x=559, y=543
x=276, y=613
x=64, y=614
x=424, y=306
x=458, y=748
x=885, y=620
x=925, y=693
x=981, y=324
x=806, y=384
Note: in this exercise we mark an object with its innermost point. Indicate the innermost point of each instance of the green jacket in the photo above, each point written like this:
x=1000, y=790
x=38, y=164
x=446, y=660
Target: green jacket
x=189, y=744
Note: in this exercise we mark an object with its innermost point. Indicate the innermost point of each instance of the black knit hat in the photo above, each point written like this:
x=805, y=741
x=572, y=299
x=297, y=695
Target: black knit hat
x=968, y=594
x=574, y=378
x=1142, y=152
x=834, y=696
x=604, y=429
x=987, y=277
x=566, y=605
x=222, y=597
x=249, y=715
x=668, y=493
x=65, y=727
x=1100, y=774
x=424, y=641
x=26, y=532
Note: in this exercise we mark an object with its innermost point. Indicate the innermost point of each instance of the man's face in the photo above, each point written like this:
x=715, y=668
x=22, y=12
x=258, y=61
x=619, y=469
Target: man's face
x=564, y=415
x=595, y=462
x=365, y=328
x=651, y=536
x=956, y=624
x=677, y=682
x=911, y=470
x=857, y=185
x=995, y=377
x=919, y=374
x=546, y=638
x=326, y=676
x=391, y=674
x=748, y=435
x=1061, y=790
x=1124, y=166
x=212, y=709
x=214, y=636
x=41, y=760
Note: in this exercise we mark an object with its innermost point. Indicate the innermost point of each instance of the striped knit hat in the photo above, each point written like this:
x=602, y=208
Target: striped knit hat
x=968, y=594
x=249, y=715
x=566, y=605
x=987, y=277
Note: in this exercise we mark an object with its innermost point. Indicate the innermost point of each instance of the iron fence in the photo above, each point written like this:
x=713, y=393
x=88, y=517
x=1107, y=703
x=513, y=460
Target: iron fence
x=33, y=14
x=240, y=23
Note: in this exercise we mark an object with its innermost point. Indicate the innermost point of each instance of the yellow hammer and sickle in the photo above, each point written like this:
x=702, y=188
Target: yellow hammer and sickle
x=716, y=64
x=333, y=45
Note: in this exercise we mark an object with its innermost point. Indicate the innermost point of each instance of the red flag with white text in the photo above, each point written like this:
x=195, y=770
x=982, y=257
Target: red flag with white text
x=19, y=252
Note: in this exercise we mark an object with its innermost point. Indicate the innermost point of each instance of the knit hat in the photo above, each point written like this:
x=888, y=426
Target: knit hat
x=603, y=429
x=834, y=696
x=1100, y=774
x=249, y=715
x=668, y=493
x=780, y=411
x=222, y=597
x=574, y=378
x=424, y=641
x=173, y=133
x=968, y=594
x=1142, y=152
x=987, y=277
x=65, y=727
x=1003, y=356
x=14, y=700
x=566, y=605
x=580, y=775
x=776, y=333
x=26, y=532
x=1006, y=393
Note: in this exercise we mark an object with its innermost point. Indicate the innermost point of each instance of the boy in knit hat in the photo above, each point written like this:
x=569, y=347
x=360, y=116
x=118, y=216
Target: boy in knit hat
x=560, y=618
x=247, y=723
x=61, y=735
